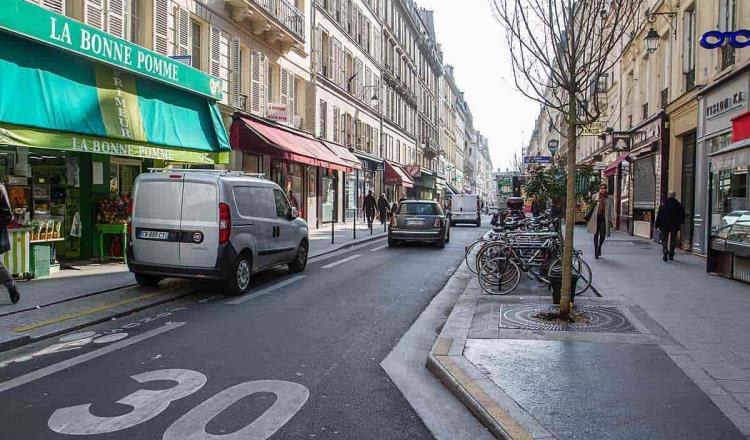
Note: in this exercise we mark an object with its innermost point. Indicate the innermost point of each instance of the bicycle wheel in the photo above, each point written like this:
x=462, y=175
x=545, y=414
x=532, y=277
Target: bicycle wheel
x=469, y=256
x=579, y=267
x=488, y=251
x=499, y=276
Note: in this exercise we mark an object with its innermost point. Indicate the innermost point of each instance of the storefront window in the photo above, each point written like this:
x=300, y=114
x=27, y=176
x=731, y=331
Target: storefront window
x=328, y=195
x=624, y=189
x=719, y=142
x=730, y=200
x=351, y=196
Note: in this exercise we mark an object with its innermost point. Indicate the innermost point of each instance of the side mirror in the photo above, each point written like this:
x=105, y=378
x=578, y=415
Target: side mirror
x=292, y=213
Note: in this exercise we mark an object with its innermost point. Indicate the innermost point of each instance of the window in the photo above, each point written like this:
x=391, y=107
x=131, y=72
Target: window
x=323, y=119
x=688, y=49
x=134, y=21
x=195, y=36
x=727, y=23
x=282, y=204
x=420, y=209
x=335, y=127
x=254, y=201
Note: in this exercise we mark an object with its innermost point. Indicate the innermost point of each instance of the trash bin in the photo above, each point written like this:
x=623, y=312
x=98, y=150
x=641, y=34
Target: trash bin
x=555, y=283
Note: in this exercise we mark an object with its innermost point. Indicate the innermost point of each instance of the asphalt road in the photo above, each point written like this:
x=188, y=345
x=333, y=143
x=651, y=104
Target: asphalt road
x=299, y=357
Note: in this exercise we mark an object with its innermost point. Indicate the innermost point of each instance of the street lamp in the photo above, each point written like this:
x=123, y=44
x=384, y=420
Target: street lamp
x=553, y=145
x=652, y=41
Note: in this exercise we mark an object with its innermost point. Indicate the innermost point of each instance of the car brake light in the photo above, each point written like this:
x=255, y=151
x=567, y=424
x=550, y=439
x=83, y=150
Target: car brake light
x=225, y=223
x=437, y=223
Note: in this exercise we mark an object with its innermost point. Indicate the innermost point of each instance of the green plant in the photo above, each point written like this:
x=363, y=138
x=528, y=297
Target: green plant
x=548, y=184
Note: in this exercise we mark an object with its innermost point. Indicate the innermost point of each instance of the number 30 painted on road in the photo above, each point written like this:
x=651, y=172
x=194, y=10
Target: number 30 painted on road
x=147, y=404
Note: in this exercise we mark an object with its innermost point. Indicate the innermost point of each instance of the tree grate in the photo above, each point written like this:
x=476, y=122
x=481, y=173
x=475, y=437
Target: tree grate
x=596, y=319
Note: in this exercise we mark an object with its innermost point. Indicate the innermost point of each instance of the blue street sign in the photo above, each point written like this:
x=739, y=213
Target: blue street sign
x=537, y=159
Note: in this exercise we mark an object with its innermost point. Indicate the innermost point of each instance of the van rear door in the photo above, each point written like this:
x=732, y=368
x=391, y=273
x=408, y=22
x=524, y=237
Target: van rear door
x=157, y=208
x=200, y=222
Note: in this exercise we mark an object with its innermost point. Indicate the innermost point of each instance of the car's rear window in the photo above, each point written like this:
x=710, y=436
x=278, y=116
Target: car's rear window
x=420, y=209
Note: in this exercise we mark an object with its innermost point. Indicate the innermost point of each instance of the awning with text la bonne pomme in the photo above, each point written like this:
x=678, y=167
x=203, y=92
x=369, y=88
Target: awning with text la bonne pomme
x=47, y=88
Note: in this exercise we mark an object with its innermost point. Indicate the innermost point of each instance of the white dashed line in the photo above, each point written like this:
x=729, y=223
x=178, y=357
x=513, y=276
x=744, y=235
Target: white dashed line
x=328, y=266
x=379, y=248
x=266, y=291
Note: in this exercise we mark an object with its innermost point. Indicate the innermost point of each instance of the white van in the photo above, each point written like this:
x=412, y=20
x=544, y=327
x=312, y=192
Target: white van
x=464, y=208
x=212, y=224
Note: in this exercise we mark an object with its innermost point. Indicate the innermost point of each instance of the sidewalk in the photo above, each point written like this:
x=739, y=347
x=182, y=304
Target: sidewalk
x=657, y=356
x=72, y=299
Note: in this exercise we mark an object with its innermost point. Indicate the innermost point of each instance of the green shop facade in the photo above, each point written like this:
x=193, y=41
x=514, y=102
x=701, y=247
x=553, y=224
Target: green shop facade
x=82, y=113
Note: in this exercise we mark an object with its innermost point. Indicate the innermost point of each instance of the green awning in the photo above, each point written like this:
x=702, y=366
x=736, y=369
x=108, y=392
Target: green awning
x=48, y=89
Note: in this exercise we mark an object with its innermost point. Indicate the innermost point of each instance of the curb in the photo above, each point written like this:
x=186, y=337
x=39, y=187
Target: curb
x=350, y=244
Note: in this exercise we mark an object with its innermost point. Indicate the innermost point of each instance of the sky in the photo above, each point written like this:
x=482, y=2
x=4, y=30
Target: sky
x=474, y=43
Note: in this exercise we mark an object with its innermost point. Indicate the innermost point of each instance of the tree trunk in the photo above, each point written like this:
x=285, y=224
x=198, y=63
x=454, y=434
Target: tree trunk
x=570, y=211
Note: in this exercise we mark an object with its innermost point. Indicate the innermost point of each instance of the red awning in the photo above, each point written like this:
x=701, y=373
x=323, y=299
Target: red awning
x=251, y=135
x=395, y=175
x=611, y=170
x=344, y=154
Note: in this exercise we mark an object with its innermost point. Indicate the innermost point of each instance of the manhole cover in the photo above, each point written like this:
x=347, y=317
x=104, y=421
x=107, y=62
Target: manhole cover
x=600, y=319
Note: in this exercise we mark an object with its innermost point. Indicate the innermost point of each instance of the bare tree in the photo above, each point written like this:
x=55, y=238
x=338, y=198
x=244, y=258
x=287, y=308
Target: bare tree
x=560, y=49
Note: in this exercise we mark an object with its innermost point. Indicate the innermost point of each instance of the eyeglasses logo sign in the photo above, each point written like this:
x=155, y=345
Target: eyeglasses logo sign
x=716, y=39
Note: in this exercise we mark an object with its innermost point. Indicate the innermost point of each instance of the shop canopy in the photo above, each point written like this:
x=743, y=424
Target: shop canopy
x=611, y=170
x=344, y=154
x=254, y=135
x=54, y=98
x=395, y=175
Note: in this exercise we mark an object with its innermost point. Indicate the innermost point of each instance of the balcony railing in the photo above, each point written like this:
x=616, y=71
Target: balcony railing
x=287, y=14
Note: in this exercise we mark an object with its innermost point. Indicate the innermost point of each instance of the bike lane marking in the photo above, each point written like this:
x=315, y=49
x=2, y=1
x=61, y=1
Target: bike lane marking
x=264, y=292
x=64, y=365
x=345, y=260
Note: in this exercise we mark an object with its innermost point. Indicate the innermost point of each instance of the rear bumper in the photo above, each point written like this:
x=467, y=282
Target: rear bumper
x=421, y=234
x=458, y=217
x=220, y=271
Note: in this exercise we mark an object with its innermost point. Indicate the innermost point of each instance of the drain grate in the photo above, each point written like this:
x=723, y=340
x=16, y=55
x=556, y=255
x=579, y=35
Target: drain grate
x=599, y=319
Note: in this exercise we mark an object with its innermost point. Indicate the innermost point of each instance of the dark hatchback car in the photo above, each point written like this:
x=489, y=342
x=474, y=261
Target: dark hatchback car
x=419, y=220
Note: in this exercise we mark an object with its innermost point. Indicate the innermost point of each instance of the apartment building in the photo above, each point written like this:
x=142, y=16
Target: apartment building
x=447, y=136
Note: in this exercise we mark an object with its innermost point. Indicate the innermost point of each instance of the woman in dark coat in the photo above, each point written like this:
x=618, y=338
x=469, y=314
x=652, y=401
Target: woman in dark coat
x=383, y=206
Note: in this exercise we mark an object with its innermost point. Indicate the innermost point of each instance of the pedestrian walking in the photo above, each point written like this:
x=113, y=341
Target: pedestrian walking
x=383, y=206
x=669, y=220
x=369, y=205
x=6, y=216
x=600, y=221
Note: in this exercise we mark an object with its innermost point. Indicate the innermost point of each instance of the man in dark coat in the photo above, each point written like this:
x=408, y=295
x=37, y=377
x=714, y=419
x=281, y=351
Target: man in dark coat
x=670, y=218
x=369, y=205
x=383, y=206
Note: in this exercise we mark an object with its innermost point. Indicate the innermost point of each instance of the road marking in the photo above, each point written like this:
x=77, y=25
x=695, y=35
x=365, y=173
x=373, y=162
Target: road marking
x=82, y=313
x=329, y=266
x=264, y=292
x=64, y=365
x=379, y=248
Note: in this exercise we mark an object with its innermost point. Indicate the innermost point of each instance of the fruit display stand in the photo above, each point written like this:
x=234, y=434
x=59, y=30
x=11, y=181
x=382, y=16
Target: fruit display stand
x=114, y=229
x=17, y=259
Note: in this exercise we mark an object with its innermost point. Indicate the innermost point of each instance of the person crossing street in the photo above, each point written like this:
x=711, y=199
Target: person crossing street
x=670, y=218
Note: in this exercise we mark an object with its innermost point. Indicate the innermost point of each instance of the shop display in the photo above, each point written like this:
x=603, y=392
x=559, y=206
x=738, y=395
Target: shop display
x=113, y=212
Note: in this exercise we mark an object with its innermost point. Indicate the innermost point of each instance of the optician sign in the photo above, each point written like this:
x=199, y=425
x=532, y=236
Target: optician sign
x=36, y=23
x=716, y=39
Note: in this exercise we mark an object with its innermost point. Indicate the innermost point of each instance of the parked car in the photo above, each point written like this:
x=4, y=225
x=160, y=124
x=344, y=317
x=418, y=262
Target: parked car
x=419, y=220
x=465, y=208
x=208, y=224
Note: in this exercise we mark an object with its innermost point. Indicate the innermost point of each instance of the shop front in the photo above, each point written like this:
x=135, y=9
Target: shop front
x=729, y=253
x=303, y=166
x=719, y=104
x=78, y=125
x=369, y=177
x=617, y=174
x=648, y=153
x=397, y=181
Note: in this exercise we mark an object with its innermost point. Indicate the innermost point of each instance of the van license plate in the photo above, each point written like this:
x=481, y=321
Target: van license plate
x=153, y=235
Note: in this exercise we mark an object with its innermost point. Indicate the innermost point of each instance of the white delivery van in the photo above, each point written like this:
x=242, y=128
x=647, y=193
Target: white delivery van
x=464, y=208
x=212, y=224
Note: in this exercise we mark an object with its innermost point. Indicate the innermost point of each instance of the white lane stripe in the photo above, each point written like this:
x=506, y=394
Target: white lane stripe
x=64, y=365
x=328, y=266
x=379, y=248
x=264, y=292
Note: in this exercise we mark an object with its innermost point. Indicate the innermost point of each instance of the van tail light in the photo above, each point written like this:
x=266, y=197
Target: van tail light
x=437, y=223
x=225, y=223
x=394, y=221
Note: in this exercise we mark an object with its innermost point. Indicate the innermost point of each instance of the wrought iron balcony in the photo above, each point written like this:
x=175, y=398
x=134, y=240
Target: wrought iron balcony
x=278, y=21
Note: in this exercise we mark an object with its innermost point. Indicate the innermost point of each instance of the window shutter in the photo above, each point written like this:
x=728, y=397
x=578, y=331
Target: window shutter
x=215, y=51
x=93, y=13
x=686, y=41
x=258, y=88
x=292, y=94
x=53, y=5
x=116, y=17
x=183, y=32
x=335, y=124
x=330, y=71
x=235, y=79
x=345, y=14
x=161, y=26
x=318, y=50
x=284, y=87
